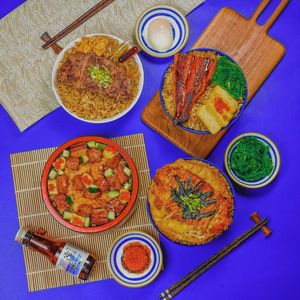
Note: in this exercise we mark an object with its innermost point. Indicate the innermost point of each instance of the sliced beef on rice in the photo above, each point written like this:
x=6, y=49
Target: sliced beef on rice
x=75, y=72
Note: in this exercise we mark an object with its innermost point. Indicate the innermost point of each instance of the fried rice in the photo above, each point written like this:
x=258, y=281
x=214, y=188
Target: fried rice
x=92, y=106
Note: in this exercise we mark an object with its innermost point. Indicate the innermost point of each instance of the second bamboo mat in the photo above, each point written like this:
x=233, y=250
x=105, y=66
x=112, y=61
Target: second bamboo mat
x=27, y=169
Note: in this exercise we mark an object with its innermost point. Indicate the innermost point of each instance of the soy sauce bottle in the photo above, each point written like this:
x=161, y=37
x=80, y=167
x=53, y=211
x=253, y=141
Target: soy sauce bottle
x=63, y=255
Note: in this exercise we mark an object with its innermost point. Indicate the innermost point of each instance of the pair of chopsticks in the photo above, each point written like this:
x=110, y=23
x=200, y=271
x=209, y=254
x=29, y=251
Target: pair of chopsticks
x=90, y=13
x=185, y=281
x=51, y=42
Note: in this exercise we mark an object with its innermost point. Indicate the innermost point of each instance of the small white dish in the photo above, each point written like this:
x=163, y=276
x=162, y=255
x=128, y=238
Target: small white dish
x=123, y=276
x=179, y=25
x=106, y=120
x=273, y=154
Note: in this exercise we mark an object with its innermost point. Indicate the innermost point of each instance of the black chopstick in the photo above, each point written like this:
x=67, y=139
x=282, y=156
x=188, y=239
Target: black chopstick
x=185, y=281
x=91, y=12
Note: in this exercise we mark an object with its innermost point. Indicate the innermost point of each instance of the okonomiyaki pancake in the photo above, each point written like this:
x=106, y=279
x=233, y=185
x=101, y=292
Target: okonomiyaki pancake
x=191, y=201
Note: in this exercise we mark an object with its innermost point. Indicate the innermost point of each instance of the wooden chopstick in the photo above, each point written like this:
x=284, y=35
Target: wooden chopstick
x=91, y=12
x=185, y=281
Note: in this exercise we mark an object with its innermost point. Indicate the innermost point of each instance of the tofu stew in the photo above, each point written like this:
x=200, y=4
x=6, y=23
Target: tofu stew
x=89, y=184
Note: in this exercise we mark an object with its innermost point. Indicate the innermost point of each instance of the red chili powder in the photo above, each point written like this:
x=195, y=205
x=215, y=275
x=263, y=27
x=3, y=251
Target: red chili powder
x=136, y=257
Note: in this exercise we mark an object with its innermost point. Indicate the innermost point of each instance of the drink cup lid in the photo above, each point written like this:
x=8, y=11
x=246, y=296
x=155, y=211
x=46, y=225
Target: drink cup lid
x=21, y=234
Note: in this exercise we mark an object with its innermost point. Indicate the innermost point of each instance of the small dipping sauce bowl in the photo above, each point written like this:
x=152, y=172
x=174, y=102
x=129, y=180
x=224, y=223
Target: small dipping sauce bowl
x=164, y=26
x=135, y=259
x=267, y=149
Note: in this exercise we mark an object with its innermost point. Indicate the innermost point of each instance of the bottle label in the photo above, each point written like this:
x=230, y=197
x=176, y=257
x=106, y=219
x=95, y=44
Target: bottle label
x=72, y=259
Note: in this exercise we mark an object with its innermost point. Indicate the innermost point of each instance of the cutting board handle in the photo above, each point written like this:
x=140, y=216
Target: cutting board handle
x=263, y=4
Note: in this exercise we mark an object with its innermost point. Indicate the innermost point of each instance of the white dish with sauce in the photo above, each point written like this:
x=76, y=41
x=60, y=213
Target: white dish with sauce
x=161, y=31
x=116, y=256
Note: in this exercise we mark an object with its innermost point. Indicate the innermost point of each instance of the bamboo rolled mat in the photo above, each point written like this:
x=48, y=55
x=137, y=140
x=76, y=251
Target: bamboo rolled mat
x=27, y=169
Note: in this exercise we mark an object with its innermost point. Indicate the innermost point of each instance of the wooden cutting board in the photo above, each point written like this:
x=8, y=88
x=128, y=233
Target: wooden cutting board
x=247, y=43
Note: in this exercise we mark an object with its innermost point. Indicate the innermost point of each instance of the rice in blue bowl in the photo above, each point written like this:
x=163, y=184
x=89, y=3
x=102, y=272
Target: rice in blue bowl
x=214, y=101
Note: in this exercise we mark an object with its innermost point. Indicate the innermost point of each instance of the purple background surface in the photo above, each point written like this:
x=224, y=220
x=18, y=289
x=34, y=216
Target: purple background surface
x=259, y=269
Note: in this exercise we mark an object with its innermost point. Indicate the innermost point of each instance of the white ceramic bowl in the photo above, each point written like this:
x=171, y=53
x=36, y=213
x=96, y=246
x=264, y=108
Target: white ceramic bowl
x=179, y=24
x=273, y=154
x=106, y=120
x=120, y=274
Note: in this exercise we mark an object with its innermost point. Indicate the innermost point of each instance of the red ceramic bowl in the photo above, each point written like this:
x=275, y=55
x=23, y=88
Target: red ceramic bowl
x=124, y=214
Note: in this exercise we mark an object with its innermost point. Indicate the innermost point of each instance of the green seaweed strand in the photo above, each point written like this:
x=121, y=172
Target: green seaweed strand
x=191, y=199
x=229, y=76
x=250, y=160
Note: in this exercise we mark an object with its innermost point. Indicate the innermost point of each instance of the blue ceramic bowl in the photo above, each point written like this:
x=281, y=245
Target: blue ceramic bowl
x=273, y=153
x=203, y=131
x=230, y=188
x=179, y=25
x=120, y=274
